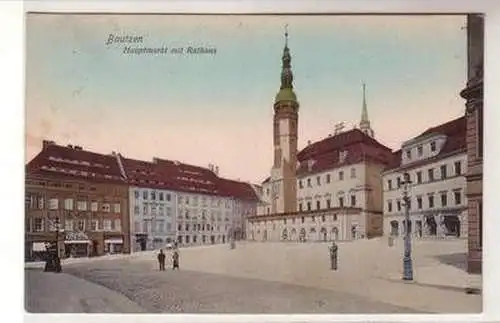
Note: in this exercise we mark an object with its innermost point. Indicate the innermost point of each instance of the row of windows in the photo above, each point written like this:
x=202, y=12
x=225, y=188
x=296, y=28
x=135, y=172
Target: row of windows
x=457, y=198
x=204, y=239
x=37, y=201
x=204, y=215
x=431, y=175
x=204, y=201
x=40, y=225
x=302, y=220
x=200, y=227
x=327, y=178
x=420, y=150
x=160, y=226
x=328, y=203
x=152, y=209
x=152, y=195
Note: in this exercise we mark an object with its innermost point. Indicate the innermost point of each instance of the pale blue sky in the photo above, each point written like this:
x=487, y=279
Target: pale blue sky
x=204, y=109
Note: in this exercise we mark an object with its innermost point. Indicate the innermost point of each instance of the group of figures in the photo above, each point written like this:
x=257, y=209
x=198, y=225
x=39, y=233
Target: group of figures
x=175, y=259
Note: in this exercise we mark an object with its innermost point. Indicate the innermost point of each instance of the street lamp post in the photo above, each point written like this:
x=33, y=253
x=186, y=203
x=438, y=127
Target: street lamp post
x=407, y=261
x=57, y=260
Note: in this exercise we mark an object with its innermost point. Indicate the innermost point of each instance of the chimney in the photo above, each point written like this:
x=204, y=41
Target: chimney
x=309, y=142
x=70, y=146
x=156, y=160
x=47, y=143
x=211, y=167
x=217, y=170
x=339, y=128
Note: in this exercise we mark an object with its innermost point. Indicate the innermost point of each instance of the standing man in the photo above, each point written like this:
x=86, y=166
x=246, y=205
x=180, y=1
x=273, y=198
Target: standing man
x=175, y=258
x=161, y=260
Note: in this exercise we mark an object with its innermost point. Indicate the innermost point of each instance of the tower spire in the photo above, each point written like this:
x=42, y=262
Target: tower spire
x=286, y=35
x=364, y=124
x=286, y=92
x=364, y=112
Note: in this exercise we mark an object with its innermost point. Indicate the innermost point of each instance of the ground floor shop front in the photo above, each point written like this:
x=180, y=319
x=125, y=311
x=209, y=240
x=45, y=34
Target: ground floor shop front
x=438, y=223
x=74, y=244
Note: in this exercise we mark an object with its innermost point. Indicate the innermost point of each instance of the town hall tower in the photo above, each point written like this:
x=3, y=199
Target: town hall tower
x=285, y=129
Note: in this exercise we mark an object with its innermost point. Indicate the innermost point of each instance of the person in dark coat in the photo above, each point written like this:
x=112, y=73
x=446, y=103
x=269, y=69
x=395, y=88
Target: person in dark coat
x=175, y=258
x=161, y=259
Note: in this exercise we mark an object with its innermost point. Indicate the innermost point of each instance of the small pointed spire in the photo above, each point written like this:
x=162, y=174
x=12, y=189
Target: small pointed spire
x=286, y=35
x=364, y=112
x=364, y=124
x=286, y=71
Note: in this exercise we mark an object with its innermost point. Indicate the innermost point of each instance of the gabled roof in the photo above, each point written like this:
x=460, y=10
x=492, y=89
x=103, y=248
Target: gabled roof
x=178, y=176
x=74, y=162
x=172, y=175
x=339, y=142
x=325, y=154
x=239, y=190
x=451, y=128
x=455, y=132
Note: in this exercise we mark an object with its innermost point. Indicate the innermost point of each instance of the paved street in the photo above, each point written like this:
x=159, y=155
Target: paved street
x=64, y=293
x=195, y=292
x=281, y=278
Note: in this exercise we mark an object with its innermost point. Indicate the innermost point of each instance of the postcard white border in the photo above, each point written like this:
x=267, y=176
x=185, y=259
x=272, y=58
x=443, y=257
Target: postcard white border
x=12, y=139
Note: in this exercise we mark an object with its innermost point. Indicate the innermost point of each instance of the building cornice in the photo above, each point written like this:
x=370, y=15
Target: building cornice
x=281, y=216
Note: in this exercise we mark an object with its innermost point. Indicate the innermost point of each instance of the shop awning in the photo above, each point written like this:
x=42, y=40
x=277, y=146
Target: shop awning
x=77, y=241
x=115, y=240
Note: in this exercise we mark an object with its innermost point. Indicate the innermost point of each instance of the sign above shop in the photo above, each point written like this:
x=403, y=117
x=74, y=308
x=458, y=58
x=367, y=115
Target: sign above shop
x=76, y=236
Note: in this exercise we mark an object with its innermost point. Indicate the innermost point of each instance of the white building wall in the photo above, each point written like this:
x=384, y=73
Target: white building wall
x=318, y=228
x=352, y=182
x=343, y=185
x=451, y=184
x=154, y=217
x=196, y=211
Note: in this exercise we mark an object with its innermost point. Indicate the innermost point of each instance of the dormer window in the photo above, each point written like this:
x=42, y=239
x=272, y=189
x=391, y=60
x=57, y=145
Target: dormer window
x=342, y=156
x=310, y=164
x=408, y=154
x=420, y=151
x=433, y=146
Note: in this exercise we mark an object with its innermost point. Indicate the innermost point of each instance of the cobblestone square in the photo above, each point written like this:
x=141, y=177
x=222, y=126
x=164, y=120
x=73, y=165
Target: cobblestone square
x=262, y=278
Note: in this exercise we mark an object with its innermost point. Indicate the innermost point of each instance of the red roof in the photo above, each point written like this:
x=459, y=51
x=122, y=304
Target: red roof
x=71, y=162
x=455, y=131
x=61, y=161
x=325, y=154
x=177, y=176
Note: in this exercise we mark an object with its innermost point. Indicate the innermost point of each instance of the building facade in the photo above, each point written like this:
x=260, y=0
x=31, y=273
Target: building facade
x=152, y=217
x=333, y=188
x=111, y=204
x=436, y=161
x=78, y=199
x=473, y=94
x=173, y=201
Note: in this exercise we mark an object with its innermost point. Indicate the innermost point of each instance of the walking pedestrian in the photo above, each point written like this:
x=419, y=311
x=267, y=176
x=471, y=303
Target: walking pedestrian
x=161, y=260
x=175, y=258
